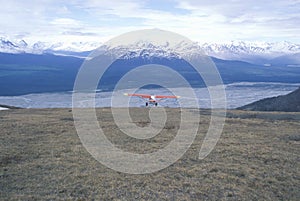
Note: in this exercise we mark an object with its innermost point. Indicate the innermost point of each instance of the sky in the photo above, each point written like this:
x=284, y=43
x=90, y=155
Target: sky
x=199, y=20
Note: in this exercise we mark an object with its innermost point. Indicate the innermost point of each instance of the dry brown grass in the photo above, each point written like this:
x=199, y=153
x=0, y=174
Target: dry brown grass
x=41, y=157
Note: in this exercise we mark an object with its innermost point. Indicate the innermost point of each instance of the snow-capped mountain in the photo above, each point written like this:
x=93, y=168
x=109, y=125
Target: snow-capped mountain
x=242, y=47
x=253, y=52
x=144, y=49
x=12, y=47
x=39, y=47
x=262, y=53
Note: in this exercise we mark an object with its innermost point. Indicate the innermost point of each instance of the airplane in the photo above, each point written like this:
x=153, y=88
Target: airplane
x=152, y=99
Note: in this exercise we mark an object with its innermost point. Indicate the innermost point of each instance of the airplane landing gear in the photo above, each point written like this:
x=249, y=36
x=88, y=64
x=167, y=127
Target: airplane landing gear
x=146, y=104
x=156, y=104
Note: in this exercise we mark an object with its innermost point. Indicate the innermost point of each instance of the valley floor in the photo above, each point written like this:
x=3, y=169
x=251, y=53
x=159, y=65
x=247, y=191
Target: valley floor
x=256, y=158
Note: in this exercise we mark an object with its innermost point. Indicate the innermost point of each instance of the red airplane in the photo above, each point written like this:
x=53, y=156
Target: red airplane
x=152, y=99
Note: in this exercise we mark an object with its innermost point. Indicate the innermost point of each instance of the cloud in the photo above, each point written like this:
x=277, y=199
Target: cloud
x=205, y=20
x=254, y=20
x=78, y=33
x=65, y=22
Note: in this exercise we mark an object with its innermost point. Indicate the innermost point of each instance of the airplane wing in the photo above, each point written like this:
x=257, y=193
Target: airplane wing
x=160, y=96
x=139, y=95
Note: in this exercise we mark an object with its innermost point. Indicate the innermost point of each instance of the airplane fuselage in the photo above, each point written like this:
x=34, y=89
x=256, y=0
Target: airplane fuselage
x=152, y=100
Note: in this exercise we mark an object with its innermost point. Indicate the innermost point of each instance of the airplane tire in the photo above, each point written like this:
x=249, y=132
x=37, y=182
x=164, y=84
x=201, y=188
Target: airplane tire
x=146, y=104
x=156, y=104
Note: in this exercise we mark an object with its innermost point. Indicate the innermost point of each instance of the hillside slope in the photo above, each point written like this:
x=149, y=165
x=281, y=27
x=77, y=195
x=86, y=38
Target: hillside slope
x=286, y=103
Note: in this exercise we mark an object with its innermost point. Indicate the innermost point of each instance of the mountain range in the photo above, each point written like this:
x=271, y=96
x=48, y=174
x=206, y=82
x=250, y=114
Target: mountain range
x=261, y=53
x=46, y=67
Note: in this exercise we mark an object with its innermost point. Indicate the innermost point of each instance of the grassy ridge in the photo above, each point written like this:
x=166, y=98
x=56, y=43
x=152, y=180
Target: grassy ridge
x=41, y=157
